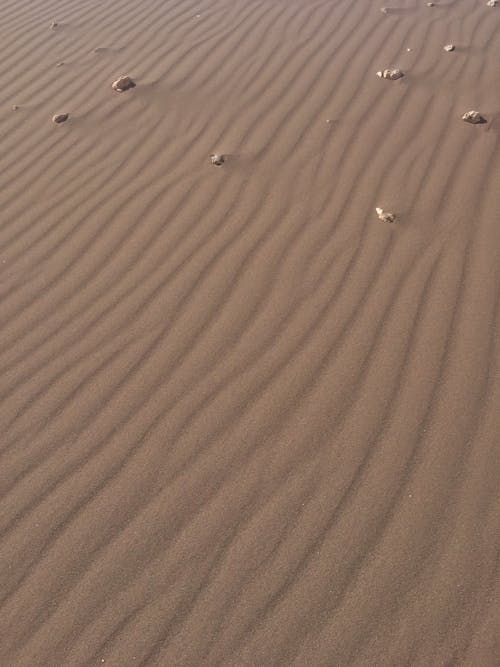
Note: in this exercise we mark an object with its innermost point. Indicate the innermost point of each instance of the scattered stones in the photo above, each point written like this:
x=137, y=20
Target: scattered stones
x=122, y=84
x=385, y=217
x=391, y=74
x=60, y=117
x=492, y=3
x=217, y=159
x=449, y=47
x=473, y=117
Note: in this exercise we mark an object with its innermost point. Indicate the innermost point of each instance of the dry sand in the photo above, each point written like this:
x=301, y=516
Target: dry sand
x=245, y=422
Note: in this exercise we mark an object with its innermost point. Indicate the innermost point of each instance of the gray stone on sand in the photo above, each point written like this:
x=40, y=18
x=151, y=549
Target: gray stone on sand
x=391, y=74
x=449, y=47
x=53, y=25
x=473, y=117
x=122, y=83
x=60, y=117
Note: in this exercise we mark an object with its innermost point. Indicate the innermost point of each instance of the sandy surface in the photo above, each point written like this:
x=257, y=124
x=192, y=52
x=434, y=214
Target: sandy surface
x=244, y=422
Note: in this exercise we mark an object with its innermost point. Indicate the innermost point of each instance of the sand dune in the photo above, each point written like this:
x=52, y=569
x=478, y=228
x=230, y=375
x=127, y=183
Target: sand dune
x=244, y=421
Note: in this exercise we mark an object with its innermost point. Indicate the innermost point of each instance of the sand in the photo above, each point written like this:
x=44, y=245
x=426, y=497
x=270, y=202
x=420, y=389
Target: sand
x=244, y=421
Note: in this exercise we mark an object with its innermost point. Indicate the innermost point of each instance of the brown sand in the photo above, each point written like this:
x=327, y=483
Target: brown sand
x=244, y=422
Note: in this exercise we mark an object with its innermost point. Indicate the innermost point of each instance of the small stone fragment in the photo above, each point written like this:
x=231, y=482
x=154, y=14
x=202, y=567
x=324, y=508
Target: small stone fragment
x=430, y=4
x=449, y=47
x=217, y=159
x=59, y=64
x=123, y=83
x=54, y=25
x=473, y=117
x=60, y=117
x=385, y=217
x=492, y=3
x=391, y=74
x=384, y=10
x=15, y=107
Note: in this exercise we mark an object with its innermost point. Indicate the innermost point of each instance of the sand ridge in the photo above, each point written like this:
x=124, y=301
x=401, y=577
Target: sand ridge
x=244, y=421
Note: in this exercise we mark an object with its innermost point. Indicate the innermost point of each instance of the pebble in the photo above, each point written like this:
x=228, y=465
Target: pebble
x=60, y=117
x=492, y=3
x=385, y=217
x=391, y=74
x=473, y=117
x=122, y=83
x=449, y=47
x=217, y=159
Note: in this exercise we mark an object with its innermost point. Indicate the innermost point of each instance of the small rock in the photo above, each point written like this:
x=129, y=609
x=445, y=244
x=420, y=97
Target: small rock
x=473, y=117
x=430, y=4
x=59, y=64
x=15, y=107
x=60, y=117
x=54, y=25
x=384, y=10
x=391, y=74
x=385, y=217
x=449, y=47
x=492, y=3
x=123, y=83
x=217, y=159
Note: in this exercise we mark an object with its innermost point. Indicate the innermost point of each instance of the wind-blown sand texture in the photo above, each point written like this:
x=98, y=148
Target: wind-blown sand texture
x=245, y=422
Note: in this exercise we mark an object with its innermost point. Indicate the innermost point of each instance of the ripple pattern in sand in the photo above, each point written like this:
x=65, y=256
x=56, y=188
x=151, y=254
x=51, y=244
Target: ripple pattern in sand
x=244, y=422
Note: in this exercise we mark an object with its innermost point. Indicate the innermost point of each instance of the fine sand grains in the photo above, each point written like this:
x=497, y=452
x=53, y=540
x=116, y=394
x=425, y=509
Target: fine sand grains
x=243, y=421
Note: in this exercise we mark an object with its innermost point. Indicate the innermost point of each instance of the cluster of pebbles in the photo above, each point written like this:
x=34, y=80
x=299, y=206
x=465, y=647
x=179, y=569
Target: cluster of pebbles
x=122, y=84
x=125, y=82
x=473, y=117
